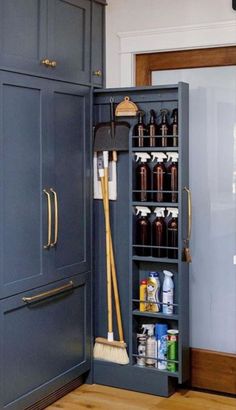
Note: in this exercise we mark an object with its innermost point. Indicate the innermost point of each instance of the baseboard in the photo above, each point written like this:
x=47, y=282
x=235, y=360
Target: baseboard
x=56, y=395
x=213, y=370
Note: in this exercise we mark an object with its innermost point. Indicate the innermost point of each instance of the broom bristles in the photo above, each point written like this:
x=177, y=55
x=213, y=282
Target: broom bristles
x=110, y=351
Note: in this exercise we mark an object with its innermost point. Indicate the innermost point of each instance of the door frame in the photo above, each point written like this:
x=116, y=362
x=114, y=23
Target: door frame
x=165, y=39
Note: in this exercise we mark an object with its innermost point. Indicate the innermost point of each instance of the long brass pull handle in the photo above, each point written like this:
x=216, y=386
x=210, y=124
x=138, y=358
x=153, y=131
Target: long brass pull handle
x=189, y=212
x=56, y=217
x=49, y=219
x=49, y=63
x=49, y=293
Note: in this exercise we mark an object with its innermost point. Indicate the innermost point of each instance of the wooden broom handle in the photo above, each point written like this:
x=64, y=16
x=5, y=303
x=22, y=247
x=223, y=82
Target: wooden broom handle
x=108, y=256
x=113, y=271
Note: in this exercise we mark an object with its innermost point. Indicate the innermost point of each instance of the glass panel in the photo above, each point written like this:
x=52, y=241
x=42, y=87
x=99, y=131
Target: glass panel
x=212, y=160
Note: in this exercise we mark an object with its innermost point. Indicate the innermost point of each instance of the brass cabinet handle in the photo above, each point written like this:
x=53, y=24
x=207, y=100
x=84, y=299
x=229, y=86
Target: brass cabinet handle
x=189, y=212
x=56, y=218
x=49, y=293
x=49, y=63
x=49, y=219
x=97, y=73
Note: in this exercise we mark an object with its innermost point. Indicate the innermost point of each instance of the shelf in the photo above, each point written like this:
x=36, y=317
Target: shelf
x=158, y=315
x=154, y=149
x=156, y=204
x=151, y=259
x=154, y=369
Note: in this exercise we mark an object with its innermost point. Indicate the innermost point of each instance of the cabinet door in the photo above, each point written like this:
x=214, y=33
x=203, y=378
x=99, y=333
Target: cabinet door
x=24, y=173
x=44, y=344
x=98, y=43
x=69, y=38
x=23, y=29
x=70, y=115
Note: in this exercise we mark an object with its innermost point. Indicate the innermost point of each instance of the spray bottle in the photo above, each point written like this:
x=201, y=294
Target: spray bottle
x=141, y=347
x=140, y=131
x=172, y=175
x=143, y=231
x=162, y=338
x=151, y=345
x=152, y=129
x=172, y=233
x=168, y=293
x=174, y=127
x=153, y=292
x=163, y=128
x=158, y=176
x=159, y=233
x=143, y=176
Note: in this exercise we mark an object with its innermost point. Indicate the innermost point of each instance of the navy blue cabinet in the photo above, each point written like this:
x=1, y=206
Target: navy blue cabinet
x=45, y=192
x=98, y=45
x=45, y=341
x=50, y=38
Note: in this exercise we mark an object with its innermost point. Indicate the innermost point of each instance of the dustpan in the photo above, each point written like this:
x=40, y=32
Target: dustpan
x=113, y=135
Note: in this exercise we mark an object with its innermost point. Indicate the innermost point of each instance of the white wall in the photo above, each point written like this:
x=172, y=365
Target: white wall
x=132, y=15
x=204, y=17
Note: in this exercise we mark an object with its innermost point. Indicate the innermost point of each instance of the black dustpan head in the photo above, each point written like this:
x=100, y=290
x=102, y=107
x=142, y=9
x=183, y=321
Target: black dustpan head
x=105, y=141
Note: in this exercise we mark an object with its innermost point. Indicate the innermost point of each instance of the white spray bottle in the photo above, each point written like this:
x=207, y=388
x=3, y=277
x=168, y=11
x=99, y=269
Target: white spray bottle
x=151, y=345
x=168, y=293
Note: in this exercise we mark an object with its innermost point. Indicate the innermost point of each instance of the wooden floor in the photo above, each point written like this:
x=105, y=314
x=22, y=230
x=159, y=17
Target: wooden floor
x=107, y=398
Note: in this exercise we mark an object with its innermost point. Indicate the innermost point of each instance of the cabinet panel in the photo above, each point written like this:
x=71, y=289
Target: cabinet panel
x=52, y=346
x=71, y=110
x=23, y=213
x=98, y=44
x=69, y=38
x=23, y=34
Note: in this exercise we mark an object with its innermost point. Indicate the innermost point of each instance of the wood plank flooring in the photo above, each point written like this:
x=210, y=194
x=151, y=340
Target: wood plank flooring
x=98, y=397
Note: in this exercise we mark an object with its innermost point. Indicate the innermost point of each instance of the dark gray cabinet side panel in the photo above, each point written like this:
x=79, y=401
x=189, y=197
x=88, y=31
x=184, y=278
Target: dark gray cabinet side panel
x=69, y=39
x=98, y=44
x=23, y=29
x=72, y=168
x=24, y=174
x=45, y=344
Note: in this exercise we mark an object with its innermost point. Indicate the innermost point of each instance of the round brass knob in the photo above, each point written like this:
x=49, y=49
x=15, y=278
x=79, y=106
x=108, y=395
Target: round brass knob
x=97, y=73
x=49, y=63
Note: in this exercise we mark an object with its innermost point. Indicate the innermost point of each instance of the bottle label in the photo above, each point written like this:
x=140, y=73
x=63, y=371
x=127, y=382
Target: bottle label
x=167, y=300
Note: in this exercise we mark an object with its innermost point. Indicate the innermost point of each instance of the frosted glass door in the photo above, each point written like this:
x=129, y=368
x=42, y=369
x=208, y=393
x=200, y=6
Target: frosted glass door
x=212, y=166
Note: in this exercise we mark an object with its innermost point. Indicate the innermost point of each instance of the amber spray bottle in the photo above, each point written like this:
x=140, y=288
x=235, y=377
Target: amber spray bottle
x=143, y=231
x=172, y=233
x=174, y=128
x=158, y=176
x=143, y=177
x=140, y=131
x=159, y=233
x=152, y=129
x=172, y=175
x=163, y=128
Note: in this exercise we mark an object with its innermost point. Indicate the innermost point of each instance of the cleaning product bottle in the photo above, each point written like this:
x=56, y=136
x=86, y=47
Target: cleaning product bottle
x=172, y=176
x=162, y=339
x=163, y=128
x=143, y=295
x=143, y=177
x=152, y=129
x=159, y=233
x=174, y=127
x=158, y=176
x=140, y=131
x=153, y=292
x=172, y=233
x=143, y=231
x=168, y=293
x=151, y=345
x=142, y=343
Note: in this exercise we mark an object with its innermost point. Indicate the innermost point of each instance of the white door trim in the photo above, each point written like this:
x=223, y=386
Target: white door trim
x=219, y=34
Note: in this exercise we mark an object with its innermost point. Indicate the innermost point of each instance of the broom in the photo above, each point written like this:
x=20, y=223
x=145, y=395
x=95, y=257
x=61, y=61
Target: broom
x=108, y=349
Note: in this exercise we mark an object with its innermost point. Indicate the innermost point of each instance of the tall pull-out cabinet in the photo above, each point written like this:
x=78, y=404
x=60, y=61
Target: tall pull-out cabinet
x=131, y=267
x=52, y=260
